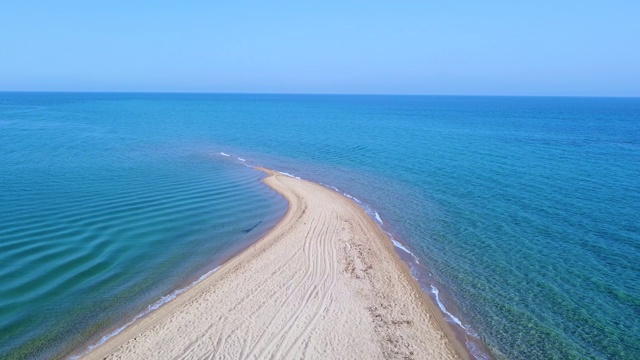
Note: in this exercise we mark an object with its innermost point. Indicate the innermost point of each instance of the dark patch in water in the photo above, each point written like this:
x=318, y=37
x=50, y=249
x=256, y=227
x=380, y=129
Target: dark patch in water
x=246, y=231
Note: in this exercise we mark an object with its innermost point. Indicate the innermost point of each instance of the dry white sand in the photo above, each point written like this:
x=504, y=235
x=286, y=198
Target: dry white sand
x=325, y=283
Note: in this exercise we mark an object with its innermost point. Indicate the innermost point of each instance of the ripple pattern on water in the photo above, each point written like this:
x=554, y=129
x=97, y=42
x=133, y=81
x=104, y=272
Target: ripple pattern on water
x=90, y=236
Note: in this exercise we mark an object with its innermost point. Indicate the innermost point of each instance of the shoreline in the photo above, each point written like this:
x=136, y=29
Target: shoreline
x=398, y=327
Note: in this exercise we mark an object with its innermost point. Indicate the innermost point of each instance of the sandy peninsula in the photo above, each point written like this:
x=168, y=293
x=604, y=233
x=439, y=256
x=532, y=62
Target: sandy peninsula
x=324, y=283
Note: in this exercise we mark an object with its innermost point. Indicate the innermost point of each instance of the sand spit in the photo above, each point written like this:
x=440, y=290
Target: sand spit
x=325, y=283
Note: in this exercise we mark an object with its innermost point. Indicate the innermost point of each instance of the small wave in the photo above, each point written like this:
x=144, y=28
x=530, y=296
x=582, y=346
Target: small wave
x=289, y=175
x=414, y=272
x=378, y=217
x=330, y=187
x=450, y=317
x=342, y=192
x=399, y=245
x=241, y=159
x=367, y=209
x=223, y=154
x=476, y=352
x=352, y=198
x=156, y=305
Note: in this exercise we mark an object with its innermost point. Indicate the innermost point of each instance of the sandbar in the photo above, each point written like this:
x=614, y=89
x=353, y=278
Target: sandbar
x=324, y=283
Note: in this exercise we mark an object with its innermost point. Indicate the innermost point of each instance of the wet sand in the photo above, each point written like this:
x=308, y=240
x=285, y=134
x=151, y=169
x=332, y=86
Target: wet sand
x=324, y=283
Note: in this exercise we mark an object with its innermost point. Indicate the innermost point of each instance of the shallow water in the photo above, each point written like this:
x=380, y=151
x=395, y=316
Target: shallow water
x=98, y=221
x=522, y=211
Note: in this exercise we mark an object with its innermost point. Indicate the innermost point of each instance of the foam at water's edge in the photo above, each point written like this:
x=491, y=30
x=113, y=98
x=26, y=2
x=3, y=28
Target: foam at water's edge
x=450, y=317
x=374, y=214
x=156, y=305
x=289, y=175
x=400, y=246
x=472, y=346
x=351, y=197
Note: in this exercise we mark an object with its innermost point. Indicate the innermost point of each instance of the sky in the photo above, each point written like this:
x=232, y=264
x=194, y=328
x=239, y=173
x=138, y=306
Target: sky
x=431, y=47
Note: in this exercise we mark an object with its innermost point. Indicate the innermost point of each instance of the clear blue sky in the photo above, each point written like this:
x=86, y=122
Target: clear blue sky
x=543, y=47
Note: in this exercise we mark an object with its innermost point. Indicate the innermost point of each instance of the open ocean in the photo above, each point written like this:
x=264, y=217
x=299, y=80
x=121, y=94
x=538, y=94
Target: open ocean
x=520, y=216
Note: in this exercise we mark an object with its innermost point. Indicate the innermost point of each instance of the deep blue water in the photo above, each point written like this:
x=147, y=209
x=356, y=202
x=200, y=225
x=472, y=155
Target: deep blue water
x=522, y=211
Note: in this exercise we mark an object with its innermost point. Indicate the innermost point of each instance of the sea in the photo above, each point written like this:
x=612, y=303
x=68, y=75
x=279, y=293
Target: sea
x=519, y=216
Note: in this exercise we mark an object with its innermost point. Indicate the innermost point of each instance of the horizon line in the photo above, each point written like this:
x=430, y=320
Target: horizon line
x=309, y=93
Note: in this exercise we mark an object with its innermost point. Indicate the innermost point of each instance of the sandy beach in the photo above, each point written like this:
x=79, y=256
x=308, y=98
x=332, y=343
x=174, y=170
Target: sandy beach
x=324, y=283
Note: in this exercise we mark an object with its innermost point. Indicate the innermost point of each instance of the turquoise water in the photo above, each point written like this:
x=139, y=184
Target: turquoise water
x=99, y=220
x=522, y=213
